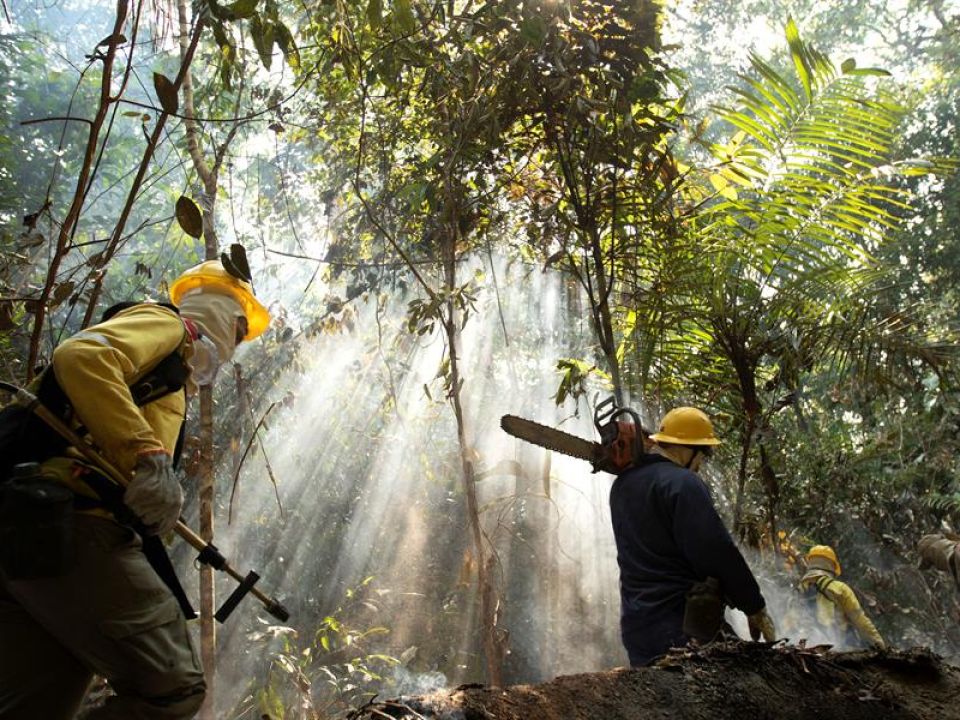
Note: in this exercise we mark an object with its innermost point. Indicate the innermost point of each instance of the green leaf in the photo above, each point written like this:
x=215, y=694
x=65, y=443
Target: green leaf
x=262, y=34
x=284, y=40
x=217, y=10
x=848, y=65
x=220, y=34
x=238, y=259
x=629, y=322
x=403, y=13
x=534, y=28
x=166, y=93
x=375, y=13
x=189, y=217
x=241, y=9
x=61, y=292
x=119, y=39
x=228, y=52
x=800, y=58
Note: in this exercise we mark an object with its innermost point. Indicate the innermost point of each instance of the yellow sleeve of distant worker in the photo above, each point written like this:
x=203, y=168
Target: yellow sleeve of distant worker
x=95, y=368
x=846, y=600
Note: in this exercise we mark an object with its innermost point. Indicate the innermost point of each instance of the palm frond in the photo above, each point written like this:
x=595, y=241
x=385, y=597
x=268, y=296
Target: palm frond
x=780, y=261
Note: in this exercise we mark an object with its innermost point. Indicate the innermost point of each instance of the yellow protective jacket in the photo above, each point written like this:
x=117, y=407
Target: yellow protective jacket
x=95, y=368
x=838, y=607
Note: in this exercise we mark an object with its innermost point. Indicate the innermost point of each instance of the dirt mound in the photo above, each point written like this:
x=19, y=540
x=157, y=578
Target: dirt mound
x=735, y=681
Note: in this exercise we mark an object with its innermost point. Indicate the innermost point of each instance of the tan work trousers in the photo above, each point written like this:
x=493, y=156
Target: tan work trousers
x=111, y=616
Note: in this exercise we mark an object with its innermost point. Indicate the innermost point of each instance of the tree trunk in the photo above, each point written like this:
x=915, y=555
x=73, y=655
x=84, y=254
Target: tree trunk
x=117, y=238
x=206, y=481
x=494, y=646
x=746, y=440
x=746, y=379
x=593, y=277
x=602, y=317
x=753, y=412
x=771, y=486
x=80, y=192
x=208, y=629
x=209, y=178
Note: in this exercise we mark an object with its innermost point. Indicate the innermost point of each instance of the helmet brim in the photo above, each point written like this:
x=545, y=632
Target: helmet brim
x=663, y=437
x=258, y=317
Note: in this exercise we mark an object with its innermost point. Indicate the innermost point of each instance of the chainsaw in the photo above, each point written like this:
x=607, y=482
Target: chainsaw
x=622, y=437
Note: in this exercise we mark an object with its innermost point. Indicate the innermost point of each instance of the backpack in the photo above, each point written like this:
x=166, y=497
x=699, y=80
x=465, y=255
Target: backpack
x=24, y=437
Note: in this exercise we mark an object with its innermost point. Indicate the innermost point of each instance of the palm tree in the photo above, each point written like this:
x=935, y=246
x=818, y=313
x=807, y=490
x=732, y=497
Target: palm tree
x=775, y=274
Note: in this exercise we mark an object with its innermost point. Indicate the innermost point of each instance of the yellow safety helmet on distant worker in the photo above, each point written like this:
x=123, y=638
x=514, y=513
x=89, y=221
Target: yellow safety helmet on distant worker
x=686, y=426
x=211, y=277
x=824, y=558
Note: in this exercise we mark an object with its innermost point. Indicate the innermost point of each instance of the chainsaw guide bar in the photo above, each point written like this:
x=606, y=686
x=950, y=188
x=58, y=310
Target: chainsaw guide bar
x=551, y=438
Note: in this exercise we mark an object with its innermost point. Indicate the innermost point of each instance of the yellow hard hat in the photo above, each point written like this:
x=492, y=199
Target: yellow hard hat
x=686, y=426
x=210, y=276
x=826, y=552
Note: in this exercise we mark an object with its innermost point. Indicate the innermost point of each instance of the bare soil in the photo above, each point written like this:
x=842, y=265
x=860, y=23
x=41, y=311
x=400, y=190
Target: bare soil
x=735, y=681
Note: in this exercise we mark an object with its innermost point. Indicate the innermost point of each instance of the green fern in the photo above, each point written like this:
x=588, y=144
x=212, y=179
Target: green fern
x=778, y=269
x=946, y=504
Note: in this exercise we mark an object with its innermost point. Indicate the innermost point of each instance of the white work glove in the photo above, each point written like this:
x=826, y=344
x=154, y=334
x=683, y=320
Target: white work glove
x=154, y=495
x=760, y=623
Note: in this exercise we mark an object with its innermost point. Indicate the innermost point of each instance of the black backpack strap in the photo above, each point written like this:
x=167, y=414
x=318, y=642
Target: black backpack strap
x=181, y=436
x=822, y=586
x=168, y=376
x=118, y=307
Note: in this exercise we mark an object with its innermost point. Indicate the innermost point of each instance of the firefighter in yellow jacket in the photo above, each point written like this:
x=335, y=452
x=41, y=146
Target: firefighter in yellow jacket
x=110, y=614
x=838, y=611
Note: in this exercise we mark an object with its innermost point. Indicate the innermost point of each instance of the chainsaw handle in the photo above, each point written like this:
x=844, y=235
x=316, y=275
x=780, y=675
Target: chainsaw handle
x=605, y=417
x=601, y=415
x=621, y=440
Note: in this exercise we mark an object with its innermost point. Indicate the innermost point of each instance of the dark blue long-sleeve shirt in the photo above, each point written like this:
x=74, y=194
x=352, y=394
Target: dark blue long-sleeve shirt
x=669, y=536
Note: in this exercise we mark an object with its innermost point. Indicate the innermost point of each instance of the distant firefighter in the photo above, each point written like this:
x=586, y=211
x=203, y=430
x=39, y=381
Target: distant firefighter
x=836, y=609
x=942, y=553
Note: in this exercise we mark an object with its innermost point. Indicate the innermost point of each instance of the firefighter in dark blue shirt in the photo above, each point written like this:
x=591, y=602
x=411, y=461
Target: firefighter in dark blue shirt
x=671, y=543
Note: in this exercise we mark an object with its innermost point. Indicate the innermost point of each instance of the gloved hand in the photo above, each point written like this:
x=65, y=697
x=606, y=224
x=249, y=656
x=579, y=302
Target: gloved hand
x=154, y=495
x=760, y=623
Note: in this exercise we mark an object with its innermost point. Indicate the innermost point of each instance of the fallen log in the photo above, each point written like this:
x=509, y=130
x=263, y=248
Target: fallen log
x=723, y=681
